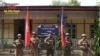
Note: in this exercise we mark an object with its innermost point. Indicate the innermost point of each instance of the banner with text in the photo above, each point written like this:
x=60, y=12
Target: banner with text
x=44, y=28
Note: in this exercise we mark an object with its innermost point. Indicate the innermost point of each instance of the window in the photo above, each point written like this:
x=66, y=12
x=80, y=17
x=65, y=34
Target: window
x=92, y=30
x=71, y=28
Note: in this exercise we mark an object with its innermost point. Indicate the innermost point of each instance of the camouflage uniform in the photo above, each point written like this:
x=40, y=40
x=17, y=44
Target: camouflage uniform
x=34, y=45
x=50, y=45
x=83, y=44
x=68, y=46
x=18, y=44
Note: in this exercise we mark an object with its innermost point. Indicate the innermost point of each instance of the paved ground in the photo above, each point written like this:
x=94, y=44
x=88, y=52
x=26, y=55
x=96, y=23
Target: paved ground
x=27, y=53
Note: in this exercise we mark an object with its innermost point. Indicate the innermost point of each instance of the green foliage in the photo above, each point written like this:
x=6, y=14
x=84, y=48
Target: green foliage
x=73, y=3
x=5, y=42
x=98, y=2
x=58, y=43
x=69, y=3
x=97, y=39
x=58, y=3
x=55, y=3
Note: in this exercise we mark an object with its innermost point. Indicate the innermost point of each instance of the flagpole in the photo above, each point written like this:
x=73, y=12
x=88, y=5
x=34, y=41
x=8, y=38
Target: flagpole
x=64, y=28
x=62, y=31
x=55, y=52
x=25, y=30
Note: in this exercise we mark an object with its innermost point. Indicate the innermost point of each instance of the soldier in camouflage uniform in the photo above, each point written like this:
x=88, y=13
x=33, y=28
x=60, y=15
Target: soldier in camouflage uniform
x=68, y=46
x=50, y=44
x=34, y=44
x=83, y=45
x=19, y=44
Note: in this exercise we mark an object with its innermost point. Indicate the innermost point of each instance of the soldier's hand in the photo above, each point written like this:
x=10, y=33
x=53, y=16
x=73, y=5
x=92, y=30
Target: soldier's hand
x=15, y=46
x=48, y=43
x=82, y=47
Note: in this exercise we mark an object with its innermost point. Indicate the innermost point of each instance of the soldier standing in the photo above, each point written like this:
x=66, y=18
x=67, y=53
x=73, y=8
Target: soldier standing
x=83, y=44
x=34, y=44
x=68, y=46
x=50, y=44
x=19, y=44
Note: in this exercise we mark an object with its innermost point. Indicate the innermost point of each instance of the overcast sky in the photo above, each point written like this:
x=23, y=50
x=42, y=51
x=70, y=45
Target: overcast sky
x=48, y=2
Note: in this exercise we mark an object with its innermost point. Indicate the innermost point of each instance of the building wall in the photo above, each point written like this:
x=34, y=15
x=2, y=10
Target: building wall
x=50, y=17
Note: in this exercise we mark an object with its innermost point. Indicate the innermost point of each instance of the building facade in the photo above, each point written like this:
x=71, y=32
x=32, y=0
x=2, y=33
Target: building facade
x=78, y=20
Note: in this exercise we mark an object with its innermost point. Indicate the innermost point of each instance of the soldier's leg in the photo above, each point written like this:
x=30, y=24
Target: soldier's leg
x=48, y=53
x=65, y=54
x=21, y=52
x=36, y=52
x=16, y=52
x=32, y=52
x=52, y=52
x=69, y=53
x=85, y=53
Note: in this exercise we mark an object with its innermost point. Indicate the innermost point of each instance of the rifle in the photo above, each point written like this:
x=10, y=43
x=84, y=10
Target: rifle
x=90, y=51
x=88, y=48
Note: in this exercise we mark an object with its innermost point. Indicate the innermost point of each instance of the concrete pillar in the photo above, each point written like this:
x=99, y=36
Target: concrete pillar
x=2, y=33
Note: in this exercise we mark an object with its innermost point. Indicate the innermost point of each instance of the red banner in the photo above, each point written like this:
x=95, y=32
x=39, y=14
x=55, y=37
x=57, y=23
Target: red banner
x=27, y=29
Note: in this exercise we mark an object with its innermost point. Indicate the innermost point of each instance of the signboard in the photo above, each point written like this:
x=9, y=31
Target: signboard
x=11, y=10
x=44, y=28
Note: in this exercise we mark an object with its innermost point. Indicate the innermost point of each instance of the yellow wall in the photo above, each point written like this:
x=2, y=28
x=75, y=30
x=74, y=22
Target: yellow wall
x=9, y=29
x=80, y=30
x=87, y=30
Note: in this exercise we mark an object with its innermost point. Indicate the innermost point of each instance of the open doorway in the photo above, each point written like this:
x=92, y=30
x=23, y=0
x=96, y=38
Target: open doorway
x=19, y=27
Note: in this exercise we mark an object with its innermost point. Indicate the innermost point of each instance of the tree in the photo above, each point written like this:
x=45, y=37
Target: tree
x=58, y=3
x=73, y=3
x=97, y=38
x=97, y=34
x=69, y=3
x=98, y=2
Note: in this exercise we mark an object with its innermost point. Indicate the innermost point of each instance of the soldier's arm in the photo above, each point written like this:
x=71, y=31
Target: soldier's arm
x=14, y=43
x=31, y=42
x=46, y=41
x=79, y=42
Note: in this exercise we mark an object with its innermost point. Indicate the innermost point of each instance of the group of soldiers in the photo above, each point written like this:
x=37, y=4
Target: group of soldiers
x=49, y=41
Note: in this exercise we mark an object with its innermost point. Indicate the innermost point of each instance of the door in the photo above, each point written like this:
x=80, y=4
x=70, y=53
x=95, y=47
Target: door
x=19, y=27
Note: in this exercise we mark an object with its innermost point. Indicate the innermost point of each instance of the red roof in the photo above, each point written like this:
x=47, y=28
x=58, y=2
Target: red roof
x=55, y=8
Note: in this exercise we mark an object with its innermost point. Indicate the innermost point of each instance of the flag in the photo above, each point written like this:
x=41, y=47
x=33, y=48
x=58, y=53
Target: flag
x=62, y=29
x=27, y=29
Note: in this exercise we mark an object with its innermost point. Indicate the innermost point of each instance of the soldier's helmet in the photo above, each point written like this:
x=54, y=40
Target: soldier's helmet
x=33, y=32
x=50, y=32
x=83, y=35
x=67, y=34
x=19, y=34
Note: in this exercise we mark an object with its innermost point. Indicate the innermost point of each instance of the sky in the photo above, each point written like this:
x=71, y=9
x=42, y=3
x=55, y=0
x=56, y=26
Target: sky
x=48, y=2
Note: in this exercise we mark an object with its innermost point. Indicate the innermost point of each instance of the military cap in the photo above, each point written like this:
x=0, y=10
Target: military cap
x=33, y=32
x=67, y=34
x=83, y=35
x=19, y=34
x=50, y=32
